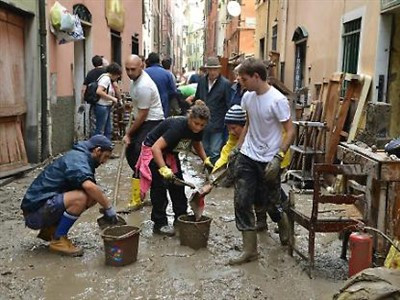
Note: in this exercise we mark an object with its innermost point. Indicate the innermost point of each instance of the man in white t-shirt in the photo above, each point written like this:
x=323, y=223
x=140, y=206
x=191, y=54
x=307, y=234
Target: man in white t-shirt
x=147, y=110
x=257, y=167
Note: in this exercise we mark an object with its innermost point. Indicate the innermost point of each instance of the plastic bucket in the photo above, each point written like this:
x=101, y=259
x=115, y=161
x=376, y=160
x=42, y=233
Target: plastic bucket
x=192, y=233
x=121, y=245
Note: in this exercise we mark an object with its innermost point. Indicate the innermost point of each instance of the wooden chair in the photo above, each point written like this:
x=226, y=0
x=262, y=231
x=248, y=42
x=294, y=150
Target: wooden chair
x=312, y=221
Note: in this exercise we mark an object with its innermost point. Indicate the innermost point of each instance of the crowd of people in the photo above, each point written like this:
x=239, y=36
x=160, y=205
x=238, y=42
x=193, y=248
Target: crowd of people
x=245, y=127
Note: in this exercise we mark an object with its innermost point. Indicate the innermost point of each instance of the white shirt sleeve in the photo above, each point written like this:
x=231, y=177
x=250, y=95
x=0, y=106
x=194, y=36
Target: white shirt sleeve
x=244, y=101
x=281, y=109
x=104, y=81
x=143, y=98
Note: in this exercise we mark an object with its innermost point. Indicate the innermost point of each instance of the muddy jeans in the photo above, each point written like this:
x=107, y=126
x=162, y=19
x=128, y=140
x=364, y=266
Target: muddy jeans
x=252, y=192
x=158, y=196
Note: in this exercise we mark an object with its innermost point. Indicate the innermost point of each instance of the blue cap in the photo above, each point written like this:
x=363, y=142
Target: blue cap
x=99, y=140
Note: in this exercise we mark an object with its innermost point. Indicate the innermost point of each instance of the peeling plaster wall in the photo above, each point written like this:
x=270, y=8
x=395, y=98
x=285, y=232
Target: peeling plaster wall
x=394, y=78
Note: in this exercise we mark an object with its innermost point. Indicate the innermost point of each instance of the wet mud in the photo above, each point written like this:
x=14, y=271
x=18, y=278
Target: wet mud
x=164, y=269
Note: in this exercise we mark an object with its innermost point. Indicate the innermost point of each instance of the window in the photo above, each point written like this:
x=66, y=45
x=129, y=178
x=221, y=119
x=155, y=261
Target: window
x=262, y=48
x=351, y=44
x=82, y=12
x=116, y=47
x=274, y=38
x=135, y=44
x=300, y=37
x=299, y=65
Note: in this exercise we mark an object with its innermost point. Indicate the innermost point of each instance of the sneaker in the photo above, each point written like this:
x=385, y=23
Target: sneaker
x=64, y=246
x=164, y=230
x=46, y=233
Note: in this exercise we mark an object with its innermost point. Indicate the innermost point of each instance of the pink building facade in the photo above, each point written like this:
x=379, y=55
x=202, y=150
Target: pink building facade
x=69, y=63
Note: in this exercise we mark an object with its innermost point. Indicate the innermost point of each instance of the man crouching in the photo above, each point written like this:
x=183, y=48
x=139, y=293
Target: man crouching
x=64, y=190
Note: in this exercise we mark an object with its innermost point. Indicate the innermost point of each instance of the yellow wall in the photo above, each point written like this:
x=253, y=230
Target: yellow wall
x=394, y=78
x=323, y=21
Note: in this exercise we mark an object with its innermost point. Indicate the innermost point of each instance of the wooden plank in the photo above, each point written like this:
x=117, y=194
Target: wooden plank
x=360, y=108
x=330, y=104
x=12, y=109
x=339, y=123
x=395, y=204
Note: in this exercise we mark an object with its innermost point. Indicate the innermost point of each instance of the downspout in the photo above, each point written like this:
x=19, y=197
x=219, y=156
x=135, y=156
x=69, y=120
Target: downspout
x=44, y=146
x=267, y=34
x=282, y=47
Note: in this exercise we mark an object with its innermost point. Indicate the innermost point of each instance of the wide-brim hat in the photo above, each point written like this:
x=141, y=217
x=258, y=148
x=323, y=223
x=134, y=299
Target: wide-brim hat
x=212, y=63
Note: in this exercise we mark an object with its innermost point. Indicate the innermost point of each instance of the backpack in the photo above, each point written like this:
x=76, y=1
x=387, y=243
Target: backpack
x=90, y=95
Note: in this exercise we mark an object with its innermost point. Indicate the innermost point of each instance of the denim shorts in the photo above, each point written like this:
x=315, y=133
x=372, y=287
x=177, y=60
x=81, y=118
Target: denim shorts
x=49, y=214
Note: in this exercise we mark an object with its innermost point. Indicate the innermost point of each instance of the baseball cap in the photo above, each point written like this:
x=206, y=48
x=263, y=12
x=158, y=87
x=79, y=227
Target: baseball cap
x=101, y=141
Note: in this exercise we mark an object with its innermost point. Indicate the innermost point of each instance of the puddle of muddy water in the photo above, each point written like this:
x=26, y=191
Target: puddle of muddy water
x=164, y=270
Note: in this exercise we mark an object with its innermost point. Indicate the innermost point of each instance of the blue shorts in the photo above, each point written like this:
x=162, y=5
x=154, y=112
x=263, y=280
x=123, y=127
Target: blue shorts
x=49, y=214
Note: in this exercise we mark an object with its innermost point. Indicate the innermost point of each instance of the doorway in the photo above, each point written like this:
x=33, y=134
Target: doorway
x=12, y=93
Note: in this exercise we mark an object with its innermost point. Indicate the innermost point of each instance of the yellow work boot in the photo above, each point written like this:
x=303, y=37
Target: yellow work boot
x=47, y=233
x=136, y=202
x=65, y=246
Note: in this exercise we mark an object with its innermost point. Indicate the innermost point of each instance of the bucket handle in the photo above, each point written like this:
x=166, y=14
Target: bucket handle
x=122, y=236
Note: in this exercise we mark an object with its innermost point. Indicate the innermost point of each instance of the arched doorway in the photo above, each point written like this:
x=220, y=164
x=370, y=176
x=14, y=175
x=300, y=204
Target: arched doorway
x=82, y=64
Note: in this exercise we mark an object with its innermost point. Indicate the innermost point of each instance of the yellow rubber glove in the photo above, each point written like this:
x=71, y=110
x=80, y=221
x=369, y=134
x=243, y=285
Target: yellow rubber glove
x=226, y=150
x=208, y=164
x=166, y=172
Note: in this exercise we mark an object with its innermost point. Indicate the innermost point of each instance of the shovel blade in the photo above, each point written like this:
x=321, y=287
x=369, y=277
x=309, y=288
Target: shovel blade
x=197, y=204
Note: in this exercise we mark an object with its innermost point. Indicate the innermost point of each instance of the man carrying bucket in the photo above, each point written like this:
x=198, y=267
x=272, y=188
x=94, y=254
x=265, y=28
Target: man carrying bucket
x=64, y=190
x=262, y=148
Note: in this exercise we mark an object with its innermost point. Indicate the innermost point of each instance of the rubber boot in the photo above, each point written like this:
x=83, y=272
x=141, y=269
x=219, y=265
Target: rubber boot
x=284, y=229
x=261, y=221
x=136, y=202
x=249, y=249
x=64, y=246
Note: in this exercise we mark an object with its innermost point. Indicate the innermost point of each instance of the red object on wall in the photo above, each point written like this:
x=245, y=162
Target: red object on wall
x=360, y=252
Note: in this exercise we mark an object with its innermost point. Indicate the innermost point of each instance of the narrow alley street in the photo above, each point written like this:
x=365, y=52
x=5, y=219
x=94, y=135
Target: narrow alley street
x=164, y=270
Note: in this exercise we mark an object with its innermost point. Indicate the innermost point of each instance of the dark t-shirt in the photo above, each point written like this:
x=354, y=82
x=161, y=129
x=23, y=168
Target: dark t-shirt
x=173, y=130
x=93, y=75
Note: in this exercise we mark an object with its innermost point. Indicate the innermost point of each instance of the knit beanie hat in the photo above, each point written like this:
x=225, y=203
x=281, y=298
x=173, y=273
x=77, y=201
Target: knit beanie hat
x=235, y=115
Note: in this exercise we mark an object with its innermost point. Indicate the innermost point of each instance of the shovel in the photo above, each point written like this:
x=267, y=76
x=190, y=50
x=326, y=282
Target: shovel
x=196, y=201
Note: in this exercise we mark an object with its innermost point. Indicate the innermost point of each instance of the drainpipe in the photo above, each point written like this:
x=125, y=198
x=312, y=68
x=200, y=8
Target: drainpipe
x=267, y=34
x=283, y=41
x=43, y=81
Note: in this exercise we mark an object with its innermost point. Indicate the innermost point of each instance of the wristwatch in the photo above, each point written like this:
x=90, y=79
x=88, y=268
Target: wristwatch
x=281, y=154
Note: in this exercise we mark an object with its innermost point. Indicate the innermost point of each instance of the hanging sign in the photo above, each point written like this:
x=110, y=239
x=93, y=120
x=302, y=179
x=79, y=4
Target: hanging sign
x=115, y=15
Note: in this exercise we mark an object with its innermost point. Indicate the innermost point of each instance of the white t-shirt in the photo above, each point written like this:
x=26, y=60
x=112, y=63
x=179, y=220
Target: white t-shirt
x=105, y=81
x=145, y=95
x=265, y=113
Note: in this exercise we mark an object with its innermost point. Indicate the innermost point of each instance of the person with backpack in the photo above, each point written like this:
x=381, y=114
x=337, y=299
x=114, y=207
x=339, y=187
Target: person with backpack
x=92, y=76
x=108, y=93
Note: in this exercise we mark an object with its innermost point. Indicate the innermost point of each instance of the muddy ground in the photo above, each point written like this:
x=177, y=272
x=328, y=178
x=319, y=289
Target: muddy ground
x=164, y=270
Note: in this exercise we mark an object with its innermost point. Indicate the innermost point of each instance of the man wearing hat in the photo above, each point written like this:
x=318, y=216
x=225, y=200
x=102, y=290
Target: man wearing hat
x=214, y=90
x=64, y=190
